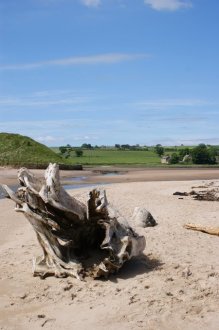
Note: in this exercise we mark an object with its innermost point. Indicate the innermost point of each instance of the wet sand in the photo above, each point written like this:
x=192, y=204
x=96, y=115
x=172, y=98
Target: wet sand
x=112, y=174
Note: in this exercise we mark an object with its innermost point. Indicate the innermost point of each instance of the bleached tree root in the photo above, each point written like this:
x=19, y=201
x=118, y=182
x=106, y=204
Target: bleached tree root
x=77, y=239
x=207, y=230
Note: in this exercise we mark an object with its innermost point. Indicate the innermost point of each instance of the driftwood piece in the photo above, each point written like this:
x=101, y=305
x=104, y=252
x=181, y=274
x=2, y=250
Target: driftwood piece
x=211, y=193
x=76, y=239
x=207, y=230
x=207, y=195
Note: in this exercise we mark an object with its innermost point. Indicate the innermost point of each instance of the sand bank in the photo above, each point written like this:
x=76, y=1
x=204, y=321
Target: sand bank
x=113, y=174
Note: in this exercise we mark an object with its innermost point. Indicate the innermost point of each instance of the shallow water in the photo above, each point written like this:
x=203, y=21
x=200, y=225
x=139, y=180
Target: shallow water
x=111, y=174
x=2, y=192
x=78, y=178
x=82, y=185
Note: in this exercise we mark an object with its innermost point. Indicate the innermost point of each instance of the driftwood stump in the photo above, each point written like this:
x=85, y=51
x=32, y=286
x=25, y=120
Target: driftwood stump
x=77, y=239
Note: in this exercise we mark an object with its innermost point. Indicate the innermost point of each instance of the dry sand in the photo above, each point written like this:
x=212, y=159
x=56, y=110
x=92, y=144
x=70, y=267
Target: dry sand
x=175, y=286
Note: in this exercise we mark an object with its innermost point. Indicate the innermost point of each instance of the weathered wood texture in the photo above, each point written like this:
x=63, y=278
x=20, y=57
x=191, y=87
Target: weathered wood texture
x=77, y=239
x=204, y=229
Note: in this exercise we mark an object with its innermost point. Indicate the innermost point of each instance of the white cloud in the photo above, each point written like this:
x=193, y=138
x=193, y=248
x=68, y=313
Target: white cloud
x=110, y=58
x=168, y=5
x=91, y=3
x=46, y=139
x=83, y=138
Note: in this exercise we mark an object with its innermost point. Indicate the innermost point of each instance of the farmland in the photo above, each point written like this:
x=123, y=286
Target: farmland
x=17, y=150
x=99, y=156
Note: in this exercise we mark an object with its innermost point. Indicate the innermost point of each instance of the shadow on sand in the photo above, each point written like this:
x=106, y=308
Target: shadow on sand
x=137, y=266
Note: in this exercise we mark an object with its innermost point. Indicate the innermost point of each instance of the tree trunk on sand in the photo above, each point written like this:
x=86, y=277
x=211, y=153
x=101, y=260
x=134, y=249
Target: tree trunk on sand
x=77, y=239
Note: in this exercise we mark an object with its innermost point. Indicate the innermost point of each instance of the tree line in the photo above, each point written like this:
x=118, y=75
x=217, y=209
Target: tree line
x=201, y=154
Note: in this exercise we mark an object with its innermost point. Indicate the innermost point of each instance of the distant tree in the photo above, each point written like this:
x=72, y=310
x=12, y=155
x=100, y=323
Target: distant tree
x=174, y=159
x=159, y=150
x=133, y=148
x=62, y=150
x=125, y=146
x=117, y=146
x=67, y=154
x=65, y=151
x=86, y=146
x=203, y=155
x=79, y=153
x=214, y=151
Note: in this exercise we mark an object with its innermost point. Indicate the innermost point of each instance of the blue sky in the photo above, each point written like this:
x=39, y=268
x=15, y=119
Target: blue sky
x=110, y=71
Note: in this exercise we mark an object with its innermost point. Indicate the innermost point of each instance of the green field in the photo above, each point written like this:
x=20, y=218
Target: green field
x=114, y=157
x=17, y=150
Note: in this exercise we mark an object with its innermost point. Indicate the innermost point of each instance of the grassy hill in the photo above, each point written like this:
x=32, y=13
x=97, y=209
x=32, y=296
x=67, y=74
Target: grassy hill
x=17, y=150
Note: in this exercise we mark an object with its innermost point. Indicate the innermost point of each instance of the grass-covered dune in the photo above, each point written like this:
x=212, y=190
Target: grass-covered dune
x=17, y=150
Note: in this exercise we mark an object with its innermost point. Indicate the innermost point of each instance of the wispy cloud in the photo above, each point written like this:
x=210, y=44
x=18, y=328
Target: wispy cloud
x=57, y=140
x=45, y=99
x=111, y=58
x=91, y=3
x=58, y=131
x=168, y=5
x=173, y=103
x=18, y=102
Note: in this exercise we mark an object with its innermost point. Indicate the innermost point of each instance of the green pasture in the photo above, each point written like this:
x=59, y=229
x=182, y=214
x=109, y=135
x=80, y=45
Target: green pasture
x=17, y=150
x=115, y=157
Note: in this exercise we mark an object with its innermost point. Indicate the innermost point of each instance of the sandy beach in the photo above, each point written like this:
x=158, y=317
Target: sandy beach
x=175, y=285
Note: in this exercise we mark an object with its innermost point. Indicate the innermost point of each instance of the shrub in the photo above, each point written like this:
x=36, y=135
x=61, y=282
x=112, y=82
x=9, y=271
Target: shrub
x=159, y=150
x=79, y=152
x=202, y=155
x=174, y=159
